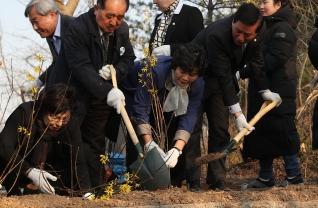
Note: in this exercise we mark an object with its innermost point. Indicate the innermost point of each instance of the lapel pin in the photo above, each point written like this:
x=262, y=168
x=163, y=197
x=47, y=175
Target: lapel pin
x=173, y=23
x=121, y=51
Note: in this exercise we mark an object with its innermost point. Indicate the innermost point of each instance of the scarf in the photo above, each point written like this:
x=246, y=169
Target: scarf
x=177, y=99
x=163, y=25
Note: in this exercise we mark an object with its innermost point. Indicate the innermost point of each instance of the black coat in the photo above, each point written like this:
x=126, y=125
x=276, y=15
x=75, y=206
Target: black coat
x=276, y=132
x=226, y=58
x=65, y=21
x=182, y=29
x=313, y=47
x=81, y=58
x=313, y=56
x=58, y=149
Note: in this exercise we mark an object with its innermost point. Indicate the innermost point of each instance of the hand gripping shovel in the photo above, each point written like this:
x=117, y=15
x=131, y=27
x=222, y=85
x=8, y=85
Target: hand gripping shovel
x=150, y=167
x=267, y=106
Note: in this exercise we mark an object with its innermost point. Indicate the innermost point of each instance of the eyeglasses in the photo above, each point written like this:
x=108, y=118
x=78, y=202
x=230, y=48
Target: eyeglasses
x=58, y=119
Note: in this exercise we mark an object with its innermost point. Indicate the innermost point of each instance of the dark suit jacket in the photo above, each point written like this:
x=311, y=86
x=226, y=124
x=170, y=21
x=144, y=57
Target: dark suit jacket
x=225, y=58
x=81, y=58
x=65, y=21
x=183, y=27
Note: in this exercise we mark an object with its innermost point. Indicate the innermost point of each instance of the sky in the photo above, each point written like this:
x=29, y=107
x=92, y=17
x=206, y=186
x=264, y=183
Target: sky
x=13, y=26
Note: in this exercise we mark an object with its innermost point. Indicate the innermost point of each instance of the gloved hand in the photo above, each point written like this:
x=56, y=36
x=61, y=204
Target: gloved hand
x=163, y=50
x=105, y=73
x=88, y=196
x=39, y=178
x=242, y=123
x=114, y=98
x=152, y=144
x=172, y=157
x=35, y=83
x=238, y=77
x=268, y=95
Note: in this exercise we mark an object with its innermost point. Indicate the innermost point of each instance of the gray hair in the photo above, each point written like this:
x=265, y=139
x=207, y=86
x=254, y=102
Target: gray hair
x=43, y=7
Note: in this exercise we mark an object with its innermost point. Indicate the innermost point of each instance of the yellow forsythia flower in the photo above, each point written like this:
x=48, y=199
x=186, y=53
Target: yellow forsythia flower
x=30, y=77
x=37, y=69
x=124, y=189
x=39, y=57
x=104, y=159
x=34, y=90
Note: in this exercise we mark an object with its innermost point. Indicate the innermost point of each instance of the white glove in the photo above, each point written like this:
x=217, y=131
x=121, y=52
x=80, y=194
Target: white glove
x=152, y=144
x=268, y=95
x=39, y=178
x=114, y=98
x=172, y=157
x=163, y=50
x=35, y=83
x=88, y=196
x=238, y=75
x=242, y=123
x=105, y=73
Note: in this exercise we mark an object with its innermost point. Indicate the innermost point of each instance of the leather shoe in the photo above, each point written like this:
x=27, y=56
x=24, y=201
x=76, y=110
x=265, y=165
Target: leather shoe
x=219, y=185
x=194, y=186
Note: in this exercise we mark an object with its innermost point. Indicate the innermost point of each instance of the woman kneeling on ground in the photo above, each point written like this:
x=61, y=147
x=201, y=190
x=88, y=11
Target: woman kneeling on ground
x=41, y=148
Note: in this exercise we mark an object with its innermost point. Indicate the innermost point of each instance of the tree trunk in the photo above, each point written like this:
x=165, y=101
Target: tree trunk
x=67, y=9
x=210, y=8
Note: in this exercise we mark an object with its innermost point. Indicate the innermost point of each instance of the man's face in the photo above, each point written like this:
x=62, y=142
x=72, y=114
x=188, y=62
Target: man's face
x=110, y=18
x=44, y=25
x=243, y=33
x=163, y=4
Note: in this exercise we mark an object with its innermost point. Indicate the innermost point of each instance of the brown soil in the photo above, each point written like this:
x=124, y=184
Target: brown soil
x=238, y=175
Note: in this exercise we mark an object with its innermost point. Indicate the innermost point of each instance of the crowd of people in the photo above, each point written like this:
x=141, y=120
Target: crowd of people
x=53, y=144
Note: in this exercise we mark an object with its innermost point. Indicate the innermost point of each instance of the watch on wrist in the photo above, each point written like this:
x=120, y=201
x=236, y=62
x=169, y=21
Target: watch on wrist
x=180, y=152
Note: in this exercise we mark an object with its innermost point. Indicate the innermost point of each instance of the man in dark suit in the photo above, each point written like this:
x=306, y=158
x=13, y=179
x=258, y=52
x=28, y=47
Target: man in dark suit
x=231, y=43
x=93, y=41
x=50, y=24
x=178, y=23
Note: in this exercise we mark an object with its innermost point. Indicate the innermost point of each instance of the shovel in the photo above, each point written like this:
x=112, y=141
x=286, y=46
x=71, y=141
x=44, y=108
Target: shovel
x=150, y=168
x=267, y=106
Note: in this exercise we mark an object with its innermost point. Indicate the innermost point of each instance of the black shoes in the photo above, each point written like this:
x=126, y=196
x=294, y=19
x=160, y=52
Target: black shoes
x=259, y=184
x=219, y=185
x=298, y=180
x=194, y=186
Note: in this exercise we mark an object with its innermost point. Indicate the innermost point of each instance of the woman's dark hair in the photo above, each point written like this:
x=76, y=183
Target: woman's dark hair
x=101, y=4
x=57, y=98
x=249, y=14
x=189, y=57
x=284, y=3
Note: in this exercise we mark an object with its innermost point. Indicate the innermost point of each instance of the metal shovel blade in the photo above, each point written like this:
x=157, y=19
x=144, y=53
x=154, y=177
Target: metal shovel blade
x=152, y=171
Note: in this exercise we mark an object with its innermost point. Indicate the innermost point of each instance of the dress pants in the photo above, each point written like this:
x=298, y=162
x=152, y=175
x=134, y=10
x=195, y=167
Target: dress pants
x=192, y=150
x=93, y=130
x=218, y=137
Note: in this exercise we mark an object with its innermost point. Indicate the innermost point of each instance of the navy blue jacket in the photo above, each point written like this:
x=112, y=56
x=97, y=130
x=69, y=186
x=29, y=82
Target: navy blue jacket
x=141, y=106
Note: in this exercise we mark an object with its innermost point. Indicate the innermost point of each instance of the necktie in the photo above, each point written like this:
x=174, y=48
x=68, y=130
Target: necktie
x=105, y=43
x=57, y=43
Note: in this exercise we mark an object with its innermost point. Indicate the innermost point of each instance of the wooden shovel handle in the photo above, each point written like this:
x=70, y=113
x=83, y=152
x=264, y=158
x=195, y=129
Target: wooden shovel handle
x=124, y=114
x=267, y=106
